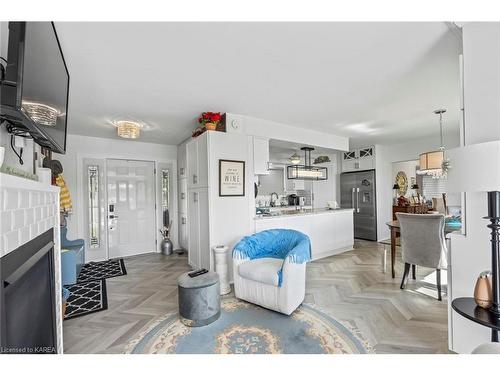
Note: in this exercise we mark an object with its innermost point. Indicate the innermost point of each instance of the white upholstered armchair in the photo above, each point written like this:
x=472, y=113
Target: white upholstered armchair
x=270, y=269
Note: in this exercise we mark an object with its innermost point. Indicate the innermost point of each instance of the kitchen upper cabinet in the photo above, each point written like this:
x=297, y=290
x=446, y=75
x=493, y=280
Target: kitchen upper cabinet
x=197, y=162
x=260, y=155
x=359, y=159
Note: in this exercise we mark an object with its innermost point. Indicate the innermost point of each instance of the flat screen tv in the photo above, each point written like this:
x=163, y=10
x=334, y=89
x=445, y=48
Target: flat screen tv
x=34, y=94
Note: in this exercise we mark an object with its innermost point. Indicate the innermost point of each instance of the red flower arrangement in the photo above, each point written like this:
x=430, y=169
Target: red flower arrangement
x=210, y=117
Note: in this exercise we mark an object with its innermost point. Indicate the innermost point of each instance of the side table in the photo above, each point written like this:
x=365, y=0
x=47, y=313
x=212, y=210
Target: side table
x=467, y=307
x=221, y=268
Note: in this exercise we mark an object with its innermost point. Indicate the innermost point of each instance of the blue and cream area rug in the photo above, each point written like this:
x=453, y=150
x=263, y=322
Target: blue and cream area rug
x=244, y=328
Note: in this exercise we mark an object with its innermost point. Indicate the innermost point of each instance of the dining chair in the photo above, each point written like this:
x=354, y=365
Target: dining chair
x=423, y=244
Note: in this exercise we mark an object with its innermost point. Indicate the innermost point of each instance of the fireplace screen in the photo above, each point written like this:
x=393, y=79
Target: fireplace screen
x=27, y=300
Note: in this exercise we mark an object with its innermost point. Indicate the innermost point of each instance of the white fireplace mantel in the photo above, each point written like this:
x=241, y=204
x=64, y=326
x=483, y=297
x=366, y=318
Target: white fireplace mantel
x=27, y=209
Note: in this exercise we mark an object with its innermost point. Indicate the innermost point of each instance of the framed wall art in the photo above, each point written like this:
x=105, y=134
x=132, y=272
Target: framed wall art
x=231, y=178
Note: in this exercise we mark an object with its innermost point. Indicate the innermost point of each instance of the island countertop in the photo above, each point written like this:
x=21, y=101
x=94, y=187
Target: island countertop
x=330, y=231
x=305, y=212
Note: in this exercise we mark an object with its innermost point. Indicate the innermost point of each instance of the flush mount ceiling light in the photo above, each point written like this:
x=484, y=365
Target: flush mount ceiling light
x=40, y=113
x=432, y=162
x=294, y=159
x=128, y=129
x=306, y=171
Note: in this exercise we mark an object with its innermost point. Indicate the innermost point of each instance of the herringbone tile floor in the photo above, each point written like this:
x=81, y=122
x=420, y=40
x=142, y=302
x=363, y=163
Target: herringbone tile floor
x=350, y=286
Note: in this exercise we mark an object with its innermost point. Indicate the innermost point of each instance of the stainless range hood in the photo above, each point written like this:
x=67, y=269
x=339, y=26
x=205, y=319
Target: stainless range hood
x=306, y=171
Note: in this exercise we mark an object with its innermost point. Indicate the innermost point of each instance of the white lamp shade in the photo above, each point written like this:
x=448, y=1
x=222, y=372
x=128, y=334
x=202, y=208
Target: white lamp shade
x=474, y=168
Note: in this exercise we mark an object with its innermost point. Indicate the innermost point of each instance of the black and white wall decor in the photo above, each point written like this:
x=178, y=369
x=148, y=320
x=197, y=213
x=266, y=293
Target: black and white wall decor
x=231, y=178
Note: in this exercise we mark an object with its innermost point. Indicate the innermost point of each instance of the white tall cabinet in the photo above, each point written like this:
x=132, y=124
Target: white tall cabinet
x=197, y=202
x=211, y=219
x=182, y=198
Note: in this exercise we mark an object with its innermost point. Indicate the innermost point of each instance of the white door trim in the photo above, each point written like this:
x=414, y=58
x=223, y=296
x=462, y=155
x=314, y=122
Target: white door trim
x=80, y=191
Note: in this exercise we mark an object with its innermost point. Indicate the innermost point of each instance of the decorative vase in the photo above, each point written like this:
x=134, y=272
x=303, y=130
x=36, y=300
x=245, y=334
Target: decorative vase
x=44, y=175
x=483, y=291
x=221, y=268
x=210, y=126
x=166, y=246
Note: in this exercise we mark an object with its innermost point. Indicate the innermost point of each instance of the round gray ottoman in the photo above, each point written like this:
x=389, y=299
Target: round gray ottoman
x=199, y=299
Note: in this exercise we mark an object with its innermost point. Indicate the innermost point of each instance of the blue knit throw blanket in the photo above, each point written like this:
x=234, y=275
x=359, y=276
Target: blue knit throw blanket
x=275, y=243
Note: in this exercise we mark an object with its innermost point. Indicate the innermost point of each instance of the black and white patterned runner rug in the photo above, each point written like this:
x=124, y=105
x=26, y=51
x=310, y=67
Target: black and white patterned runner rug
x=88, y=295
x=102, y=270
x=86, y=298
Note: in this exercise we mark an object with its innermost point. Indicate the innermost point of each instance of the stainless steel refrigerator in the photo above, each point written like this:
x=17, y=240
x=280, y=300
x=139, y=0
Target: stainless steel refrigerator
x=358, y=192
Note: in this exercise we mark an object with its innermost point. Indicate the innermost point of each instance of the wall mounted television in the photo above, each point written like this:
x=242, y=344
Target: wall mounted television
x=34, y=93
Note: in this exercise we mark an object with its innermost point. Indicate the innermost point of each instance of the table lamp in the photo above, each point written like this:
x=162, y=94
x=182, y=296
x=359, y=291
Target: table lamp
x=476, y=168
x=395, y=189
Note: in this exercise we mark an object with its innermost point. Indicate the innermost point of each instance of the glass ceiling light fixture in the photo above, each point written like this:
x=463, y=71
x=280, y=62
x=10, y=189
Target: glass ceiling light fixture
x=306, y=171
x=294, y=159
x=432, y=163
x=128, y=129
x=40, y=113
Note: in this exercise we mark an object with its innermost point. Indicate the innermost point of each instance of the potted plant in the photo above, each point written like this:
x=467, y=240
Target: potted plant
x=210, y=120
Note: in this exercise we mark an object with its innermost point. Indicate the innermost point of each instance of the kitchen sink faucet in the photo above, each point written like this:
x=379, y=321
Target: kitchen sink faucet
x=272, y=202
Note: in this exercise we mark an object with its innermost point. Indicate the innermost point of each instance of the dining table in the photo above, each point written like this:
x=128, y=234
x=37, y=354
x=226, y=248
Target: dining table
x=394, y=227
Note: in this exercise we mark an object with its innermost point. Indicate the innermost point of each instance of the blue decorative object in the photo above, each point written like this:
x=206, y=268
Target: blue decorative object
x=65, y=294
x=72, y=258
x=275, y=243
x=244, y=328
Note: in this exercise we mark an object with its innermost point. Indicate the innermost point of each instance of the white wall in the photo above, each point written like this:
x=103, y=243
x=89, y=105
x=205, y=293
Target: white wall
x=272, y=129
x=325, y=191
x=409, y=168
x=471, y=254
x=385, y=155
x=231, y=217
x=79, y=147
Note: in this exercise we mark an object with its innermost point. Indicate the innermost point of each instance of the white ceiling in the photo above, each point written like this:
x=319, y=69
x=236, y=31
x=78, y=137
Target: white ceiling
x=375, y=82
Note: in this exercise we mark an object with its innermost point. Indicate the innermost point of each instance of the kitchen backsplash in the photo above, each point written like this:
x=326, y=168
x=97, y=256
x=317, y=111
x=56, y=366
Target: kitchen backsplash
x=265, y=200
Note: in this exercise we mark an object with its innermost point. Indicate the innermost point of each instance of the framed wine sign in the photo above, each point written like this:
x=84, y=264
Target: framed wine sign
x=231, y=178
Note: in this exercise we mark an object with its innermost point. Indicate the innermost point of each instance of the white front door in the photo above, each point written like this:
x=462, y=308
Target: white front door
x=131, y=207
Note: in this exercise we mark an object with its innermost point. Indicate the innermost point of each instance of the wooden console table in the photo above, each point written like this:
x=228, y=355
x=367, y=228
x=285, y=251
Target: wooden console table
x=411, y=209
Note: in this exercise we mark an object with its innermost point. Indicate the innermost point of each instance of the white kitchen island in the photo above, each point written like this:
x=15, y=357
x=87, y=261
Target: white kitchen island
x=331, y=231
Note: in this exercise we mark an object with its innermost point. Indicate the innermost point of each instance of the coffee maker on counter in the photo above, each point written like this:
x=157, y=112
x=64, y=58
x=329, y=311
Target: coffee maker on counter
x=293, y=200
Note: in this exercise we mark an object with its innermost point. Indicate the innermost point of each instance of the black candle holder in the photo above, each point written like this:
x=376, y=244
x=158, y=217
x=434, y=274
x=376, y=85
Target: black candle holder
x=494, y=218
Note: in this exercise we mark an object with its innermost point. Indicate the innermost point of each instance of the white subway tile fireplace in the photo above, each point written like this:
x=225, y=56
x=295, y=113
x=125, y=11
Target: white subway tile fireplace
x=28, y=209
